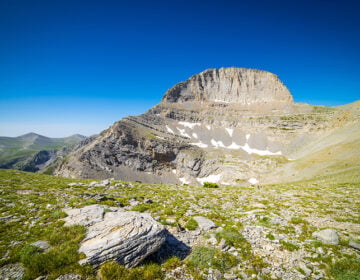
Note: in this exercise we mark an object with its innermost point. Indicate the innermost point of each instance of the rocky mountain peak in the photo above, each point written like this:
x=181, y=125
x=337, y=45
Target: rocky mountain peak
x=241, y=86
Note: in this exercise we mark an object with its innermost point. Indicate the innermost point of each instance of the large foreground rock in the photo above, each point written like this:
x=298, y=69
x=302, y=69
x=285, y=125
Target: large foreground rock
x=126, y=237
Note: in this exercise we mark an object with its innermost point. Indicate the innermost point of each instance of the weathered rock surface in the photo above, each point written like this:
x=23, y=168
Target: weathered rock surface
x=127, y=237
x=14, y=271
x=328, y=236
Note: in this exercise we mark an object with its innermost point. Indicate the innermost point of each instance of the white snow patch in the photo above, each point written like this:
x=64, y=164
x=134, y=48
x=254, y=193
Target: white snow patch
x=184, y=180
x=217, y=144
x=173, y=171
x=230, y=131
x=189, y=125
x=195, y=135
x=211, y=178
x=253, y=181
x=247, y=136
x=183, y=133
x=234, y=146
x=162, y=138
x=169, y=130
x=249, y=150
x=200, y=144
x=222, y=101
x=208, y=127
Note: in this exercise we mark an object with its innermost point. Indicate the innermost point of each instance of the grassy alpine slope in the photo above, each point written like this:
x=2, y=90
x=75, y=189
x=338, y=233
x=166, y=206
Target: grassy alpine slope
x=16, y=151
x=263, y=233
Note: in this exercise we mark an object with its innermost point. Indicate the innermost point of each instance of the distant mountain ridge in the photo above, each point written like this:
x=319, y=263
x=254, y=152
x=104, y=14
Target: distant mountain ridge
x=31, y=151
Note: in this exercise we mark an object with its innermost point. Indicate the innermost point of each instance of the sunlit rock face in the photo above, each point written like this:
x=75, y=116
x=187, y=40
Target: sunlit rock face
x=228, y=126
x=247, y=87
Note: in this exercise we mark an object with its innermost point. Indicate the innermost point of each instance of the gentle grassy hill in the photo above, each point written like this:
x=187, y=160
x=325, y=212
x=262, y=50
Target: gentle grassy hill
x=18, y=149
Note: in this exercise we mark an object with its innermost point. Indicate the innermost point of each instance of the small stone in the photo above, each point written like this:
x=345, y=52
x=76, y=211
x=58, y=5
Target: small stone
x=328, y=236
x=354, y=245
x=43, y=245
x=222, y=244
x=70, y=276
x=229, y=276
x=212, y=240
x=105, y=182
x=170, y=221
x=320, y=250
x=204, y=223
x=41, y=278
x=304, y=268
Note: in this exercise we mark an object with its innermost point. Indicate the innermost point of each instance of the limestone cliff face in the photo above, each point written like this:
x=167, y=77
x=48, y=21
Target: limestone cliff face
x=231, y=85
x=225, y=125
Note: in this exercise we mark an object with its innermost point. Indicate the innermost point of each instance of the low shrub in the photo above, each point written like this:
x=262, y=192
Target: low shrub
x=204, y=257
x=210, y=185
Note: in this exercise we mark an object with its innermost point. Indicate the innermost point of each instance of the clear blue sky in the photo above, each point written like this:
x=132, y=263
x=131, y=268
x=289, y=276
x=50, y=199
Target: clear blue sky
x=71, y=66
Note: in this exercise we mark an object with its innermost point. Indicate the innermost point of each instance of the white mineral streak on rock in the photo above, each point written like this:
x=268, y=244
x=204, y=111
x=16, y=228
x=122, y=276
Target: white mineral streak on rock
x=247, y=136
x=189, y=125
x=230, y=131
x=211, y=178
x=195, y=135
x=169, y=130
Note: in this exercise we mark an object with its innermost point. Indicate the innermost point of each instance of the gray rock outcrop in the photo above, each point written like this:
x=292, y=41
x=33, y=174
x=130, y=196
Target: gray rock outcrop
x=126, y=237
x=328, y=236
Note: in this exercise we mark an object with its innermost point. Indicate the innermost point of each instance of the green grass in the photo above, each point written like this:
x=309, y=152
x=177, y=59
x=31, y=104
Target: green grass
x=191, y=224
x=346, y=269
